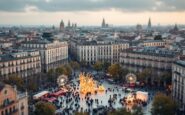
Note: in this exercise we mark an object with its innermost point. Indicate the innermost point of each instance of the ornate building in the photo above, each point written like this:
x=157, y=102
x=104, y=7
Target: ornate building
x=12, y=102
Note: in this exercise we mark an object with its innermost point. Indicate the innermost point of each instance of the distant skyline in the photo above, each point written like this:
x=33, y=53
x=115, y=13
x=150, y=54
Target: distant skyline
x=91, y=12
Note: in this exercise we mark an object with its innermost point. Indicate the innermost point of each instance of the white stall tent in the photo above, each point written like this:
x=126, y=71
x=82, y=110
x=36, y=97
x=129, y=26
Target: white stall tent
x=40, y=94
x=142, y=95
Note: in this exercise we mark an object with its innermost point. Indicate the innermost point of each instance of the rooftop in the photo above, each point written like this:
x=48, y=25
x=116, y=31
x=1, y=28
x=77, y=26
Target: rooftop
x=148, y=41
x=154, y=51
x=181, y=63
x=100, y=42
x=13, y=56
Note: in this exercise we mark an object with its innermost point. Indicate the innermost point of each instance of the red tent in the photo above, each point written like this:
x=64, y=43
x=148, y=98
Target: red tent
x=58, y=93
x=50, y=99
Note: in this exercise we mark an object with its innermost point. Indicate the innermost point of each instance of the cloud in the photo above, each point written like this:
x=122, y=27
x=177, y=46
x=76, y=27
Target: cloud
x=91, y=5
x=29, y=8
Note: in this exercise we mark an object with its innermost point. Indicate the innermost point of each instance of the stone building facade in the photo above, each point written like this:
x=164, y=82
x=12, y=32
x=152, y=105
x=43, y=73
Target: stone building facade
x=53, y=53
x=23, y=64
x=12, y=102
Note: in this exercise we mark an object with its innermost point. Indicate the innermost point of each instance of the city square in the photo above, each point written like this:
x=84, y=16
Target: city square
x=98, y=101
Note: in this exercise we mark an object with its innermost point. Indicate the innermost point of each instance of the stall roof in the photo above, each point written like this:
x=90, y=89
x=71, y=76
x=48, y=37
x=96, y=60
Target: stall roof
x=40, y=94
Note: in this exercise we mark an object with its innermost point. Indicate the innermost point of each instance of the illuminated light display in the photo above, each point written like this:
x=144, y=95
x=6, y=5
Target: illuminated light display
x=89, y=85
x=131, y=78
x=130, y=98
x=62, y=80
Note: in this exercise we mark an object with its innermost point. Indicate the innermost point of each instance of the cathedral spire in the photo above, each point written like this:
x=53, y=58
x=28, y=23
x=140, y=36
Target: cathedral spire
x=149, y=24
x=103, y=23
x=149, y=27
x=69, y=23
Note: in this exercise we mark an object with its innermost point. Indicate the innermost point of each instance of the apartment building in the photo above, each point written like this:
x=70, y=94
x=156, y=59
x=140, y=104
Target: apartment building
x=178, y=83
x=92, y=51
x=53, y=53
x=148, y=57
x=23, y=64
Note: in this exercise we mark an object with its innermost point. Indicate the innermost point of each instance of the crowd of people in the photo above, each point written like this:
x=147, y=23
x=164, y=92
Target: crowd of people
x=73, y=101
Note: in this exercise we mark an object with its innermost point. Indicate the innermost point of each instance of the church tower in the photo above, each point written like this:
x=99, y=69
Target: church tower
x=149, y=27
x=69, y=24
x=103, y=23
x=62, y=25
x=149, y=24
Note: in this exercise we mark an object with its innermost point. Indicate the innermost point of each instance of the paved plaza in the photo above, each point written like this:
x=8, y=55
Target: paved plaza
x=102, y=98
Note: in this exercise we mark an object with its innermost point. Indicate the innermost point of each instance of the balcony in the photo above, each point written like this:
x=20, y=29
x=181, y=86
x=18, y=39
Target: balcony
x=14, y=111
x=177, y=73
x=7, y=104
x=11, y=112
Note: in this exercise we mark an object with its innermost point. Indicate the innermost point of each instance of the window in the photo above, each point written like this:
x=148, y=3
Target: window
x=6, y=112
x=2, y=112
x=10, y=110
x=13, y=108
x=5, y=92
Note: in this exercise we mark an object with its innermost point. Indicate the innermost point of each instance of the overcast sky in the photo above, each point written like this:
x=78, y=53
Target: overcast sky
x=91, y=12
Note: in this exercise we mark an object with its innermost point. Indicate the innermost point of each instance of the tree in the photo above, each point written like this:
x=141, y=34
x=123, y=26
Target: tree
x=98, y=66
x=44, y=108
x=16, y=80
x=106, y=65
x=137, y=110
x=114, y=70
x=59, y=70
x=51, y=72
x=120, y=111
x=163, y=105
x=166, y=78
x=51, y=75
x=144, y=75
x=32, y=86
x=66, y=70
x=74, y=65
x=123, y=73
x=117, y=72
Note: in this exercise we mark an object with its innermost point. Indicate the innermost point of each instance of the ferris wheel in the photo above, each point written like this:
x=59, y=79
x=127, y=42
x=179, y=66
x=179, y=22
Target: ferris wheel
x=62, y=80
x=131, y=78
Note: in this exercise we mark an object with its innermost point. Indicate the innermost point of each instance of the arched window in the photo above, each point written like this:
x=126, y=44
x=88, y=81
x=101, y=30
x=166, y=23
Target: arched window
x=2, y=112
x=6, y=112
x=10, y=109
x=6, y=102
